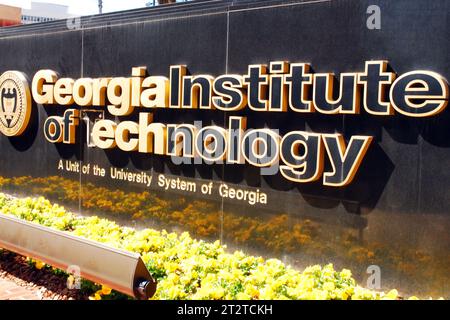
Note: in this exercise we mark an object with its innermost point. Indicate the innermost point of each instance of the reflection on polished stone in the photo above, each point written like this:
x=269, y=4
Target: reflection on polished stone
x=299, y=240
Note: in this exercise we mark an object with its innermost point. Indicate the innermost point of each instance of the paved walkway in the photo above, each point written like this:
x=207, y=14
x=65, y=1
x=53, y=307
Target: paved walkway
x=21, y=281
x=9, y=290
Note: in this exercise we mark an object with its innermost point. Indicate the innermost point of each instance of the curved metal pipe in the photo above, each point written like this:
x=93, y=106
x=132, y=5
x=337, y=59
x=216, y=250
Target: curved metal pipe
x=118, y=269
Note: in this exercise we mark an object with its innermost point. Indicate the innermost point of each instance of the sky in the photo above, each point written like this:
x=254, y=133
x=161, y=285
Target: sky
x=83, y=7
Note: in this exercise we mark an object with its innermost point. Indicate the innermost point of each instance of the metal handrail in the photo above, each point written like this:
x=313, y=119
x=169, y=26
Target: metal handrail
x=118, y=269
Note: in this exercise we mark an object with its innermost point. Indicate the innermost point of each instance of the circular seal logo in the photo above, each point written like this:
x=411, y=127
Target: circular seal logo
x=15, y=103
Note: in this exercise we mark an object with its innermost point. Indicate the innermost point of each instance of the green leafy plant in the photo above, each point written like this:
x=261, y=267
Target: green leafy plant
x=187, y=268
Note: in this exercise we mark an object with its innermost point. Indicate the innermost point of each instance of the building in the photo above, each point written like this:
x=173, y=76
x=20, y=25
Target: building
x=43, y=12
x=9, y=15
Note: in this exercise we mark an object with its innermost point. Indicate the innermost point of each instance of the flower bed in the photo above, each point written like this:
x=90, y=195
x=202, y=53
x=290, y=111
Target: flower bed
x=193, y=269
x=275, y=233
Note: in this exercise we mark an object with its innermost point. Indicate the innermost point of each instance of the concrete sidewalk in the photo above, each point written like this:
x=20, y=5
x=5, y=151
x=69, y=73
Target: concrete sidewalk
x=9, y=290
x=20, y=280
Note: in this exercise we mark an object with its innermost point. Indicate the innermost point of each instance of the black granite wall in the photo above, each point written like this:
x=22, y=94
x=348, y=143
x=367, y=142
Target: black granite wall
x=394, y=214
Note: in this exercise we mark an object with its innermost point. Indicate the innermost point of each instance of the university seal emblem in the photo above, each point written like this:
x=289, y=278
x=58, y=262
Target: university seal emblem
x=15, y=103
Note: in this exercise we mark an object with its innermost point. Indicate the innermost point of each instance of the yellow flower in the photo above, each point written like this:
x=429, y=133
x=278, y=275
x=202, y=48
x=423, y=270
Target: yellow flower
x=312, y=269
x=106, y=290
x=175, y=292
x=252, y=291
x=344, y=295
x=413, y=298
x=393, y=294
x=217, y=293
x=171, y=267
x=39, y=264
x=329, y=286
x=96, y=296
x=190, y=268
x=321, y=295
x=308, y=283
x=267, y=294
x=328, y=270
x=346, y=274
x=70, y=281
x=243, y=296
